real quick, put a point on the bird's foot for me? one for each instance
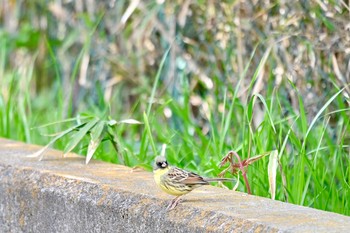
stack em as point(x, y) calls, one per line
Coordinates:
point(173, 203)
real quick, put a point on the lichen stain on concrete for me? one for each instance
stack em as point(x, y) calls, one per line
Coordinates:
point(22, 211)
point(34, 193)
point(207, 220)
point(102, 199)
point(104, 195)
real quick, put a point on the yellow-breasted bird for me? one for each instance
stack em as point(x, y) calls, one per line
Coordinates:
point(176, 181)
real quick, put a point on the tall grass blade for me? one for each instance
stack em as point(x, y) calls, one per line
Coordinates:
point(319, 114)
point(272, 172)
point(149, 133)
point(154, 88)
point(267, 111)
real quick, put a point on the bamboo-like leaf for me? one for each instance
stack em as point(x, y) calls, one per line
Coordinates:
point(112, 122)
point(40, 153)
point(130, 121)
point(96, 138)
point(77, 137)
point(272, 171)
point(115, 143)
point(60, 122)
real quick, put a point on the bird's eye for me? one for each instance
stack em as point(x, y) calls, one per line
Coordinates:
point(162, 164)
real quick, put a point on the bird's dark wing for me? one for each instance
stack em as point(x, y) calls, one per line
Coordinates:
point(178, 175)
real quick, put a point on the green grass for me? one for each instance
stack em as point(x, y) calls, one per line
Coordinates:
point(219, 99)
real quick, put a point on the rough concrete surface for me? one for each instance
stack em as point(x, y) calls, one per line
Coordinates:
point(65, 195)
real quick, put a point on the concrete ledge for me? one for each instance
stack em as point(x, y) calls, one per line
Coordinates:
point(64, 195)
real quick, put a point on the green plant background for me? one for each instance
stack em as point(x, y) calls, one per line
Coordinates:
point(248, 76)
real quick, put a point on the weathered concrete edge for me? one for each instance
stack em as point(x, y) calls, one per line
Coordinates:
point(63, 195)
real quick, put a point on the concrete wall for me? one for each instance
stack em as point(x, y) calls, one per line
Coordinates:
point(64, 195)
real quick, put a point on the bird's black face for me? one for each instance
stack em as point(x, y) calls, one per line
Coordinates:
point(163, 164)
point(160, 162)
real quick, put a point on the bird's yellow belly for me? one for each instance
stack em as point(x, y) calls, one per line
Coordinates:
point(173, 191)
point(170, 189)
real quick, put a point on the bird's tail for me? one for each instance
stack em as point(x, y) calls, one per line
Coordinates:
point(219, 179)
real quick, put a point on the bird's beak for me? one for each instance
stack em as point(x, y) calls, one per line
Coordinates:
point(164, 164)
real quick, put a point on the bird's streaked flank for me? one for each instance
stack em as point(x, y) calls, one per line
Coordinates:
point(176, 181)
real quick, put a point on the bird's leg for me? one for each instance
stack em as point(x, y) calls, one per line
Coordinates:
point(173, 203)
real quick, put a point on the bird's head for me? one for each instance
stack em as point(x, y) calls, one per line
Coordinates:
point(160, 163)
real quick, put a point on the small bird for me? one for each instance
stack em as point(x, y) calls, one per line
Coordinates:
point(176, 181)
